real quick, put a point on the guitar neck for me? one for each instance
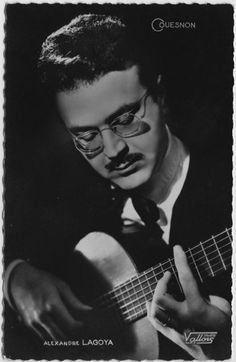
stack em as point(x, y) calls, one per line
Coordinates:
point(206, 259)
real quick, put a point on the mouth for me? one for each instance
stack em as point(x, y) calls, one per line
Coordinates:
point(128, 166)
point(124, 166)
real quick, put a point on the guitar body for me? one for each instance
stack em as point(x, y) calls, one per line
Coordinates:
point(104, 264)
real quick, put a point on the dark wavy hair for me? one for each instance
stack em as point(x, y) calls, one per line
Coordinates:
point(90, 46)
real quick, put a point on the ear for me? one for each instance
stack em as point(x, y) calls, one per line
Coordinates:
point(160, 94)
point(159, 79)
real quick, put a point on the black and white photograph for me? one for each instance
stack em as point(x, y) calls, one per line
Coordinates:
point(117, 186)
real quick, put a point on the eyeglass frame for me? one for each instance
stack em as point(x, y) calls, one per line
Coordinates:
point(99, 131)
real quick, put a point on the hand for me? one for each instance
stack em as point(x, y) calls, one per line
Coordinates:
point(167, 314)
point(46, 304)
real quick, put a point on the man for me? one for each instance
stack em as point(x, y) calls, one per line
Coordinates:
point(110, 98)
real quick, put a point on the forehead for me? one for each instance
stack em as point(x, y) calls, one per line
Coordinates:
point(89, 105)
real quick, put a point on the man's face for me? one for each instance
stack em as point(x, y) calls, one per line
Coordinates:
point(126, 162)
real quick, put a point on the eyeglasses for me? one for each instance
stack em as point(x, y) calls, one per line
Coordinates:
point(127, 125)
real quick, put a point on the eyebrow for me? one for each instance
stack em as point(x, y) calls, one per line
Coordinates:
point(121, 110)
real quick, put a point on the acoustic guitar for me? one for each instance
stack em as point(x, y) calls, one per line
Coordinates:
point(109, 281)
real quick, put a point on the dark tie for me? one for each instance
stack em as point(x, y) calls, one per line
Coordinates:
point(144, 243)
point(148, 212)
point(146, 209)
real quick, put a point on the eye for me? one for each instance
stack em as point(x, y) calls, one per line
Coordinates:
point(86, 136)
point(124, 119)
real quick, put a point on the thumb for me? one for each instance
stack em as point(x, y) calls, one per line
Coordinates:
point(221, 303)
point(148, 308)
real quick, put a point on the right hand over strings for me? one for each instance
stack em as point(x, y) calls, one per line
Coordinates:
point(46, 304)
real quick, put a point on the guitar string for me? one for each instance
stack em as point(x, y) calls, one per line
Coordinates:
point(169, 260)
point(113, 293)
point(146, 297)
point(136, 313)
point(131, 316)
point(140, 306)
point(154, 277)
point(152, 287)
point(149, 285)
point(152, 284)
point(155, 284)
point(104, 299)
point(121, 318)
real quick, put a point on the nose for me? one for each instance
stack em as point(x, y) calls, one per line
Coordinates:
point(113, 144)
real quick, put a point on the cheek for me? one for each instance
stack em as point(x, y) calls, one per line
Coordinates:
point(150, 143)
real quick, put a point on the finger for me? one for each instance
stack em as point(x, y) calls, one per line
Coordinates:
point(160, 290)
point(54, 332)
point(74, 305)
point(63, 318)
point(186, 277)
point(39, 332)
point(161, 321)
point(221, 303)
point(152, 318)
point(47, 329)
point(169, 303)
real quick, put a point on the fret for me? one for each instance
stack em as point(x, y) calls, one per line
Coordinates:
point(157, 271)
point(212, 255)
point(196, 267)
point(131, 309)
point(229, 235)
point(139, 292)
point(132, 298)
point(133, 316)
point(175, 274)
point(138, 288)
point(149, 287)
point(163, 271)
point(223, 241)
point(152, 278)
point(119, 297)
point(226, 254)
point(207, 259)
point(145, 286)
point(128, 299)
point(222, 260)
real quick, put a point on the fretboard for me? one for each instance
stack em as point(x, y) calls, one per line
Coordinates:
point(206, 259)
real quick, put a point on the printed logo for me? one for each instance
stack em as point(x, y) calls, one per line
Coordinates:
point(199, 337)
point(159, 24)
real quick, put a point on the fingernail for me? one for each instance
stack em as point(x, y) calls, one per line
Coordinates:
point(87, 308)
point(177, 249)
point(148, 306)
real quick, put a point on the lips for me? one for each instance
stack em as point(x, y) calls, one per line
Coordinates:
point(125, 163)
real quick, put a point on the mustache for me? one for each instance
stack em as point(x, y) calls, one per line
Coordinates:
point(129, 158)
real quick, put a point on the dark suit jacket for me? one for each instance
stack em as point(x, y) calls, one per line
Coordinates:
point(68, 200)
